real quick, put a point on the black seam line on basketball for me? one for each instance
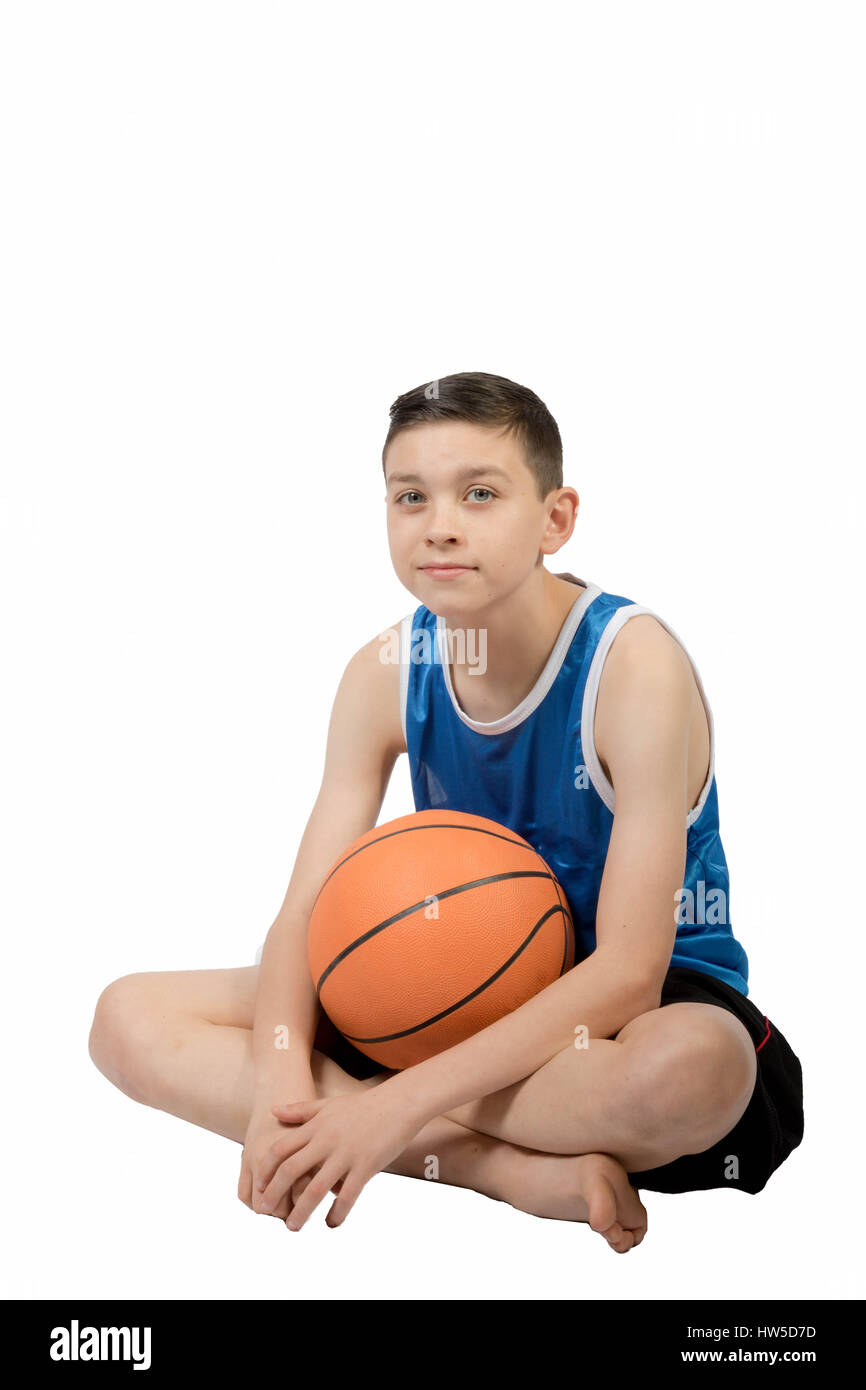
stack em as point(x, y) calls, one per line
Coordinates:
point(391, 1037)
point(566, 918)
point(444, 825)
point(407, 912)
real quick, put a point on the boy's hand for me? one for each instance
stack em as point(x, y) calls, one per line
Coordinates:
point(341, 1141)
point(263, 1130)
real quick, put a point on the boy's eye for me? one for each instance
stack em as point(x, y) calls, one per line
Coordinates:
point(403, 496)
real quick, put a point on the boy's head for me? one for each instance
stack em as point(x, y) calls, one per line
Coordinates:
point(479, 398)
point(473, 471)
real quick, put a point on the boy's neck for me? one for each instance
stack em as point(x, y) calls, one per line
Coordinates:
point(520, 635)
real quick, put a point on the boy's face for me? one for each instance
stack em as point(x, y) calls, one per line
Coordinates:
point(462, 495)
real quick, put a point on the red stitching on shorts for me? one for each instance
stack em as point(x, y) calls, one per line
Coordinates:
point(766, 1035)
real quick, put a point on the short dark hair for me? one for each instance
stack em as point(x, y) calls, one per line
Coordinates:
point(484, 399)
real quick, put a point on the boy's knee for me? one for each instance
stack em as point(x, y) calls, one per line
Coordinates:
point(698, 1080)
point(727, 1059)
point(122, 1034)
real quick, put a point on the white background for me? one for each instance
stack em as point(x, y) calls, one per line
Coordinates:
point(232, 235)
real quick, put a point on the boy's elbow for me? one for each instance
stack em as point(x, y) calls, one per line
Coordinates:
point(647, 993)
point(638, 991)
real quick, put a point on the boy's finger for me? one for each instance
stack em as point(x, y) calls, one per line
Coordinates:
point(287, 1175)
point(281, 1149)
point(349, 1192)
point(297, 1111)
point(328, 1175)
point(245, 1184)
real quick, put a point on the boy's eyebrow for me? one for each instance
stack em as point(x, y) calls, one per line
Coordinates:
point(472, 471)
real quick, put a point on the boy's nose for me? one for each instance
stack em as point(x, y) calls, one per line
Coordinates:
point(443, 528)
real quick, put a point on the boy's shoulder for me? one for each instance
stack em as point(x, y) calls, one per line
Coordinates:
point(644, 655)
point(645, 636)
point(374, 674)
point(647, 668)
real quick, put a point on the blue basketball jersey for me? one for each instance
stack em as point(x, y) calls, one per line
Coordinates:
point(536, 771)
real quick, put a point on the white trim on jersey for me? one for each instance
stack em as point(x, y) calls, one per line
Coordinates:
point(405, 638)
point(545, 680)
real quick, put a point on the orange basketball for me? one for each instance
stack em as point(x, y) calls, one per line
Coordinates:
point(430, 928)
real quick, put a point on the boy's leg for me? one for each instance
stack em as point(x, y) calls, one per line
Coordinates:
point(178, 1041)
point(182, 1042)
point(589, 1187)
point(674, 1080)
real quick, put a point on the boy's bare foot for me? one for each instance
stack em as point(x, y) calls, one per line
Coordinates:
point(568, 1187)
point(580, 1187)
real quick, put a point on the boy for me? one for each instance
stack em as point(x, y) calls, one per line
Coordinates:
point(587, 732)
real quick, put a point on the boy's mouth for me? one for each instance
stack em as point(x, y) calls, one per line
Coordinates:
point(446, 571)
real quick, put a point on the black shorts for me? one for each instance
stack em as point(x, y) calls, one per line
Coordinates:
point(330, 1040)
point(772, 1123)
point(769, 1128)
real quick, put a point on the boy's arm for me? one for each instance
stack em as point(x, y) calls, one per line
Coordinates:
point(646, 718)
point(364, 741)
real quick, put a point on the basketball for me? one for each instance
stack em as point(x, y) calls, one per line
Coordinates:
point(431, 927)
